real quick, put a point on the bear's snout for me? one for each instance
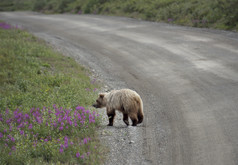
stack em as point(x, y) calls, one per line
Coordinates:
point(95, 105)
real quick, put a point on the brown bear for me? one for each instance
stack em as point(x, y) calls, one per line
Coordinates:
point(126, 101)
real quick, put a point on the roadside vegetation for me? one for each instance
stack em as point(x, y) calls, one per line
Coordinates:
point(221, 14)
point(45, 100)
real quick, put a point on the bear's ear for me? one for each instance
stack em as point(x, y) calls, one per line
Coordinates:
point(101, 95)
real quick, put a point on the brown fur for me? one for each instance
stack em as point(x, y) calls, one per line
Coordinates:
point(126, 101)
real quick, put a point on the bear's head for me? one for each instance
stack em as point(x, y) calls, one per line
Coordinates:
point(101, 101)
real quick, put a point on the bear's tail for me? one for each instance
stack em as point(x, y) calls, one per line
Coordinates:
point(140, 113)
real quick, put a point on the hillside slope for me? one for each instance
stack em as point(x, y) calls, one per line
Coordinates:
point(221, 14)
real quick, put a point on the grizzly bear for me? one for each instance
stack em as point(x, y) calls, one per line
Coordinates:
point(126, 101)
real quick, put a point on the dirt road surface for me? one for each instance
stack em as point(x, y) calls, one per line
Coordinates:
point(187, 78)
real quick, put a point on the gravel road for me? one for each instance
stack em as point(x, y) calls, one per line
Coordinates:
point(187, 78)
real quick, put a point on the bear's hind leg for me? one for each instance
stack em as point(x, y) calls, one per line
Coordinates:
point(125, 119)
point(134, 119)
point(111, 116)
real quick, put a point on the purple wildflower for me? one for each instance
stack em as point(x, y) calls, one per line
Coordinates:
point(66, 145)
point(170, 20)
point(77, 154)
point(85, 141)
point(69, 120)
point(8, 121)
point(82, 122)
point(61, 150)
point(38, 119)
point(21, 125)
point(65, 117)
point(27, 116)
point(5, 26)
point(66, 139)
point(30, 126)
point(21, 132)
point(79, 117)
point(68, 111)
point(80, 108)
point(57, 113)
point(91, 118)
point(35, 143)
point(93, 81)
point(55, 124)
point(13, 148)
point(12, 139)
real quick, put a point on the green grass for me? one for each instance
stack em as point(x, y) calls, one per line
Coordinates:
point(32, 75)
point(44, 97)
point(220, 14)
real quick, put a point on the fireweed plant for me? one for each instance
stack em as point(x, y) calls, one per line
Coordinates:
point(4, 25)
point(59, 131)
point(49, 134)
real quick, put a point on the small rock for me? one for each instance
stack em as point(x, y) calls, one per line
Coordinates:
point(131, 142)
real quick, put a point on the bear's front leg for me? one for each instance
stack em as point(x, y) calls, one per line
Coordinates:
point(125, 119)
point(111, 115)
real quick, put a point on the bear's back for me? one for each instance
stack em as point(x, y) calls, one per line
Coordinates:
point(124, 98)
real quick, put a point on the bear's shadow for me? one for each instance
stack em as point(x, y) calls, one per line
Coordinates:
point(123, 127)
